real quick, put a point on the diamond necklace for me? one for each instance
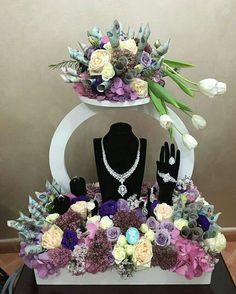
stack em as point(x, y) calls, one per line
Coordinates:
point(122, 190)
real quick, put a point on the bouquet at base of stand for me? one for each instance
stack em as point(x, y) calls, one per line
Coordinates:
point(91, 236)
point(121, 66)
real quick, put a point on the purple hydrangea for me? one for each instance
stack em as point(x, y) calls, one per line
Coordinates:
point(69, 239)
point(108, 208)
point(119, 91)
point(145, 59)
point(113, 233)
point(162, 237)
point(152, 223)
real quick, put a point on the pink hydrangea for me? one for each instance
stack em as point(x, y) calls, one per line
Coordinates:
point(192, 259)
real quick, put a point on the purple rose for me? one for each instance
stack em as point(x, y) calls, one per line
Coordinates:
point(152, 223)
point(145, 59)
point(70, 239)
point(203, 222)
point(108, 208)
point(122, 205)
point(162, 238)
point(169, 226)
point(113, 233)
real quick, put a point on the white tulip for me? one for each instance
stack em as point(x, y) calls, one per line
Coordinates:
point(165, 121)
point(211, 87)
point(198, 121)
point(189, 141)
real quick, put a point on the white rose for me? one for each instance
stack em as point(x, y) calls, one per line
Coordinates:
point(108, 72)
point(163, 212)
point(165, 121)
point(106, 222)
point(140, 87)
point(130, 45)
point(51, 218)
point(144, 228)
point(90, 205)
point(180, 223)
point(189, 141)
point(150, 235)
point(97, 61)
point(198, 121)
point(129, 249)
point(93, 219)
point(121, 241)
point(81, 208)
point(217, 244)
point(211, 87)
point(119, 254)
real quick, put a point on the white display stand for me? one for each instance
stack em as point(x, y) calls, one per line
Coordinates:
point(68, 125)
point(84, 111)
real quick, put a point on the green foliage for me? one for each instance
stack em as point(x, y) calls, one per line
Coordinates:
point(178, 64)
point(66, 63)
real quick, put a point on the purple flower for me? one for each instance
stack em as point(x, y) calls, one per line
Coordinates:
point(162, 237)
point(203, 222)
point(152, 223)
point(169, 226)
point(70, 239)
point(80, 198)
point(123, 205)
point(140, 215)
point(108, 208)
point(113, 233)
point(43, 265)
point(145, 59)
point(154, 204)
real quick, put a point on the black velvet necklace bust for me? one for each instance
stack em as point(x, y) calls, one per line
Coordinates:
point(121, 147)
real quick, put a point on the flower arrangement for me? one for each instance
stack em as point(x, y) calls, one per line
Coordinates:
point(122, 66)
point(183, 238)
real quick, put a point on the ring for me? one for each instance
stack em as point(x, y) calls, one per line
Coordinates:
point(171, 160)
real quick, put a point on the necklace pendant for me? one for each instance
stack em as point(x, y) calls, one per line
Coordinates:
point(122, 190)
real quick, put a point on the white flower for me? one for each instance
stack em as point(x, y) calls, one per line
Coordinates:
point(108, 72)
point(211, 87)
point(217, 244)
point(81, 208)
point(198, 121)
point(139, 86)
point(150, 235)
point(106, 222)
point(93, 219)
point(163, 212)
point(144, 228)
point(180, 223)
point(51, 218)
point(119, 254)
point(121, 241)
point(97, 61)
point(130, 45)
point(165, 121)
point(90, 205)
point(129, 249)
point(189, 141)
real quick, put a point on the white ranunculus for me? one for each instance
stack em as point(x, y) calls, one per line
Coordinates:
point(189, 141)
point(198, 121)
point(211, 87)
point(165, 121)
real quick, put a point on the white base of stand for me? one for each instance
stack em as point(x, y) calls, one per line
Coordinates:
point(152, 276)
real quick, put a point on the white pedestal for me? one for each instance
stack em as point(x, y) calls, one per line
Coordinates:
point(152, 276)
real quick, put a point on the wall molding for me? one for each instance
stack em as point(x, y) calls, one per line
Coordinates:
point(11, 245)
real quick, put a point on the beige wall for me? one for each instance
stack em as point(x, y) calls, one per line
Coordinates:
point(34, 99)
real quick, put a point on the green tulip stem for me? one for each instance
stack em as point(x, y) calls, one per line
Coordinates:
point(178, 130)
point(183, 78)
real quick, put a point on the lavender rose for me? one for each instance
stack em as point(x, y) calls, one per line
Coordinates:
point(169, 226)
point(152, 223)
point(108, 208)
point(162, 238)
point(113, 233)
point(145, 59)
point(122, 205)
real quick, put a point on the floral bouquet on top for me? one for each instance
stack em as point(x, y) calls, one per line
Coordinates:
point(84, 237)
point(122, 66)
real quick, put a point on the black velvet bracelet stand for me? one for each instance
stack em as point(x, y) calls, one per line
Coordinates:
point(121, 147)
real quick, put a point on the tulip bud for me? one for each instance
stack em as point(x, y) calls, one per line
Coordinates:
point(211, 87)
point(165, 121)
point(157, 44)
point(189, 141)
point(198, 122)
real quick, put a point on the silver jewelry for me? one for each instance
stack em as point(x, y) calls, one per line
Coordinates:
point(167, 177)
point(171, 160)
point(122, 190)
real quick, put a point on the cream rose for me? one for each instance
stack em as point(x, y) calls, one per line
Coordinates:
point(180, 223)
point(108, 72)
point(81, 208)
point(129, 45)
point(119, 254)
point(139, 86)
point(51, 218)
point(106, 223)
point(217, 244)
point(52, 238)
point(121, 241)
point(93, 219)
point(163, 212)
point(149, 235)
point(143, 253)
point(98, 60)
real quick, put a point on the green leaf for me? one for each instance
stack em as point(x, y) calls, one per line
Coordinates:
point(178, 64)
point(183, 106)
point(70, 63)
point(179, 82)
point(157, 103)
point(162, 93)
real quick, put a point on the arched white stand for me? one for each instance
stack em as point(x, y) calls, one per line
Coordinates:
point(82, 112)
